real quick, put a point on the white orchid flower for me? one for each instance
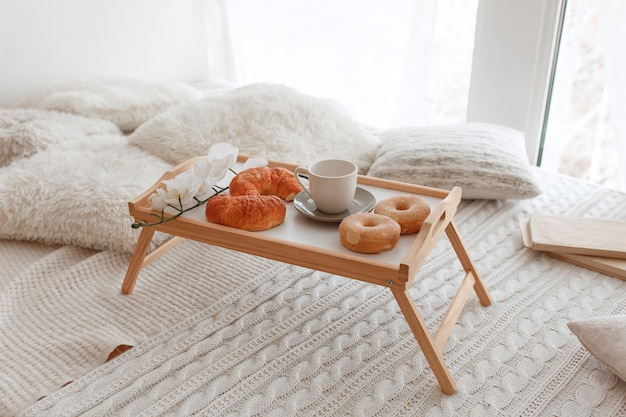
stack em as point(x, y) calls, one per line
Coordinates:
point(179, 192)
point(157, 200)
point(197, 183)
point(221, 157)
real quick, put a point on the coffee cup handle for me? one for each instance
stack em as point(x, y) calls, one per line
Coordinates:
point(297, 173)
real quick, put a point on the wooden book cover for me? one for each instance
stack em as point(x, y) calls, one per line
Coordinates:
point(609, 266)
point(578, 235)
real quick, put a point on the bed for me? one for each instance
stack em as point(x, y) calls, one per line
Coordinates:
point(243, 335)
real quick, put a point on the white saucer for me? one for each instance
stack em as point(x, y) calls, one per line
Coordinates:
point(364, 201)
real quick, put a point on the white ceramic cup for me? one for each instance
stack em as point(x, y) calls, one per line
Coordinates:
point(332, 184)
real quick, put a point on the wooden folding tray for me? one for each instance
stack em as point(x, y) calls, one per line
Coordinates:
point(316, 245)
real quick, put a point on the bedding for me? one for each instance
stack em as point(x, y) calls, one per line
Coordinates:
point(24, 132)
point(216, 332)
point(127, 102)
point(265, 120)
point(77, 193)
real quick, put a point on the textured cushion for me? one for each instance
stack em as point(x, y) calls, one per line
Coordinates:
point(487, 161)
point(265, 120)
point(23, 132)
point(77, 194)
point(605, 338)
point(126, 102)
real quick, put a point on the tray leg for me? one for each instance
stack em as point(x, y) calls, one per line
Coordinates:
point(468, 265)
point(136, 262)
point(425, 340)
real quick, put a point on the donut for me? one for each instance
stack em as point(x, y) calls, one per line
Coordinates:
point(369, 232)
point(255, 199)
point(410, 211)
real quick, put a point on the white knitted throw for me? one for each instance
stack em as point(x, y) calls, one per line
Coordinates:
point(259, 337)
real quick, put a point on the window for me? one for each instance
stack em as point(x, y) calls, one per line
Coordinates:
point(409, 62)
point(580, 140)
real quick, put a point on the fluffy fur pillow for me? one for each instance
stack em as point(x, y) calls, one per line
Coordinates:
point(266, 120)
point(24, 132)
point(77, 194)
point(124, 101)
point(604, 338)
point(487, 161)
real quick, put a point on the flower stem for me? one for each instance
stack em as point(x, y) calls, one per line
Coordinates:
point(181, 210)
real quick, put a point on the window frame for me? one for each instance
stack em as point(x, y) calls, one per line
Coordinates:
point(513, 65)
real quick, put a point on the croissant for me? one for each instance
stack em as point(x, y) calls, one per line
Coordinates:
point(247, 212)
point(256, 199)
point(266, 181)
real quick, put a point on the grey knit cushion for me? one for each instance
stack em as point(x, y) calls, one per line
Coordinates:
point(486, 161)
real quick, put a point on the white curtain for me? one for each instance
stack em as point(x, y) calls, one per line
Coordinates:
point(381, 60)
point(219, 45)
point(613, 21)
point(586, 135)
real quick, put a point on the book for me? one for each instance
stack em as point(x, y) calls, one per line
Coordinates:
point(610, 266)
point(578, 235)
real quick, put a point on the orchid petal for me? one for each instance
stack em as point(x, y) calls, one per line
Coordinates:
point(255, 163)
point(157, 200)
point(222, 156)
point(223, 149)
point(220, 167)
point(202, 169)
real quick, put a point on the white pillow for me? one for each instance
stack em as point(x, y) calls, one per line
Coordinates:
point(265, 120)
point(126, 102)
point(77, 193)
point(486, 161)
point(605, 338)
point(23, 132)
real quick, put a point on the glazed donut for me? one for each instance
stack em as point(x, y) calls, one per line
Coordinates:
point(369, 232)
point(410, 211)
point(255, 199)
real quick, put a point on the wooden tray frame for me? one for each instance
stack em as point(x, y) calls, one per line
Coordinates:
point(397, 278)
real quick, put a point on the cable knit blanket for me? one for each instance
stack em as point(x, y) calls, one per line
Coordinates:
point(219, 333)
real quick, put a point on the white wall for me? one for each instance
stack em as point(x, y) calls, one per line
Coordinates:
point(43, 41)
